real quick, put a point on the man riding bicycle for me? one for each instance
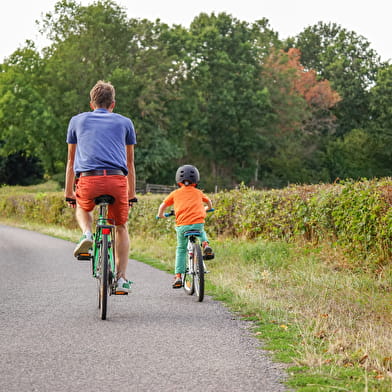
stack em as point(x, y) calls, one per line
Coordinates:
point(101, 161)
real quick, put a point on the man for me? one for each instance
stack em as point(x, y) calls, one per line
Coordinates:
point(101, 161)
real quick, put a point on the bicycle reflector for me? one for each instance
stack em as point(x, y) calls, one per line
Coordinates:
point(105, 231)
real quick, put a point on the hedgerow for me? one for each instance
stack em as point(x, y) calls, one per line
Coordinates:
point(354, 216)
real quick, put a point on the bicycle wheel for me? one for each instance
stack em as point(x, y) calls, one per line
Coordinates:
point(103, 287)
point(199, 272)
point(188, 279)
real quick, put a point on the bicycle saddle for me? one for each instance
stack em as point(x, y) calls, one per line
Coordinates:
point(104, 199)
point(188, 233)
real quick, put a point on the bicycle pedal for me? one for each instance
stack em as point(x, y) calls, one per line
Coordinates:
point(121, 293)
point(84, 256)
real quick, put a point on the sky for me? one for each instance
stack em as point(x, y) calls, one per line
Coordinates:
point(371, 19)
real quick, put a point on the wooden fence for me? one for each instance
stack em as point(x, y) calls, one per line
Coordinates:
point(154, 188)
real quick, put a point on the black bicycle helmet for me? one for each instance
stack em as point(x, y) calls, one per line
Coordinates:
point(187, 173)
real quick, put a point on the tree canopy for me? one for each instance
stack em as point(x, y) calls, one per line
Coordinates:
point(225, 95)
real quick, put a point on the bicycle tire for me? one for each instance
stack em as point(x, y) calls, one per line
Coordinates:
point(199, 272)
point(188, 281)
point(103, 288)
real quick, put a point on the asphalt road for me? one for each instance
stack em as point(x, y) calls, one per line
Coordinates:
point(155, 339)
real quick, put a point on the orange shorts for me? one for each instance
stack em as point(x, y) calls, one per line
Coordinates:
point(90, 187)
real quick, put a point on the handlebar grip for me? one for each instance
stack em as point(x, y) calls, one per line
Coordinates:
point(70, 200)
point(210, 210)
point(166, 214)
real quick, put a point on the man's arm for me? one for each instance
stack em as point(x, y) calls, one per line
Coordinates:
point(69, 173)
point(131, 172)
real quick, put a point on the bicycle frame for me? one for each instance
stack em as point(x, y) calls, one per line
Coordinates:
point(193, 238)
point(104, 232)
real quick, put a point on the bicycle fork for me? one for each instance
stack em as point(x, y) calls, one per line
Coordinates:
point(191, 269)
point(191, 256)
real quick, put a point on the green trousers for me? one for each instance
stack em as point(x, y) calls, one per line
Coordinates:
point(182, 242)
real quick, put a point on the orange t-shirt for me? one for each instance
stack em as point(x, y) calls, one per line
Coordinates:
point(188, 205)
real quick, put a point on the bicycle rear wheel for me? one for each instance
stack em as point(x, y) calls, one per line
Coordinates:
point(103, 286)
point(199, 272)
point(188, 279)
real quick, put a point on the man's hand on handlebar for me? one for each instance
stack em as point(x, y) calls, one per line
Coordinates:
point(71, 202)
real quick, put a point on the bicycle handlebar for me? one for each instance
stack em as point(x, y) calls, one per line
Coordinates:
point(171, 213)
point(72, 201)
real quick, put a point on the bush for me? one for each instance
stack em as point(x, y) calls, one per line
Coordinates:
point(20, 169)
point(356, 216)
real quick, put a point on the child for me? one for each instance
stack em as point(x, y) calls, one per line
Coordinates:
point(190, 214)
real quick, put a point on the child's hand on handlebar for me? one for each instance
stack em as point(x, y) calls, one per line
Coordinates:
point(165, 215)
point(131, 201)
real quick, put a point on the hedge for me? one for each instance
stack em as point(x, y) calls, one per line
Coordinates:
point(354, 216)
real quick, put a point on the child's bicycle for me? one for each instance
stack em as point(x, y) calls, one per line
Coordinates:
point(102, 255)
point(193, 278)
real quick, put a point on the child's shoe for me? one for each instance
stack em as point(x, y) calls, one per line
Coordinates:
point(177, 282)
point(208, 253)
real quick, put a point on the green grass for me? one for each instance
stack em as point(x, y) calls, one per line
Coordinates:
point(50, 186)
point(330, 324)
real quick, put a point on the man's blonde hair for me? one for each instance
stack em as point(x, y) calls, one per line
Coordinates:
point(102, 95)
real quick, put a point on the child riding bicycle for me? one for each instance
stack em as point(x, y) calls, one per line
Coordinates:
point(190, 212)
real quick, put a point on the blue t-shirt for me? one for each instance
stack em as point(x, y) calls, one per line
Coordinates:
point(101, 138)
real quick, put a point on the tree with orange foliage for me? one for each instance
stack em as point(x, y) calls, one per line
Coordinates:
point(301, 101)
point(302, 120)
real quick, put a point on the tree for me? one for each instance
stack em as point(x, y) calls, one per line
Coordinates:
point(26, 119)
point(99, 42)
point(347, 61)
point(153, 92)
point(302, 119)
point(88, 44)
point(223, 103)
point(353, 156)
point(380, 127)
point(381, 101)
point(20, 169)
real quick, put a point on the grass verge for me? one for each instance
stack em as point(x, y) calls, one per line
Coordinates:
point(329, 323)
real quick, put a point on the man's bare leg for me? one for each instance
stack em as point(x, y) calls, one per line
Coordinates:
point(84, 219)
point(122, 250)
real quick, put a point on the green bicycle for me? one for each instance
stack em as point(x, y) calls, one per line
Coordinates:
point(102, 255)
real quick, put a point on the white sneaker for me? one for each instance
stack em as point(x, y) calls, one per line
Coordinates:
point(85, 243)
point(123, 286)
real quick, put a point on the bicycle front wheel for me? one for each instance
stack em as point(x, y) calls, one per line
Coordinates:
point(103, 287)
point(199, 272)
